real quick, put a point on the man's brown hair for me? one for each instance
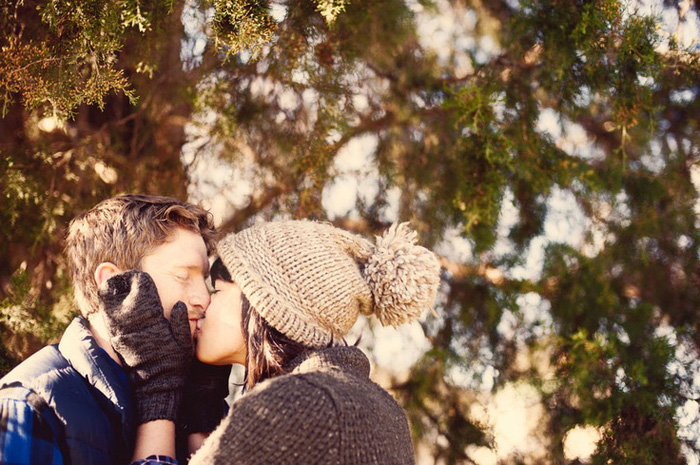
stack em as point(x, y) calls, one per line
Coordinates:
point(122, 230)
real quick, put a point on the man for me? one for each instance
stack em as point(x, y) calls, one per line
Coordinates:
point(72, 402)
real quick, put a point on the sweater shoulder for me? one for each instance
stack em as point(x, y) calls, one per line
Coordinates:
point(296, 394)
point(340, 387)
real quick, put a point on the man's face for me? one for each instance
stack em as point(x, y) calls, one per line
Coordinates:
point(179, 267)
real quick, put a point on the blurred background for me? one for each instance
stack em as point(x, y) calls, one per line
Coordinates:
point(546, 150)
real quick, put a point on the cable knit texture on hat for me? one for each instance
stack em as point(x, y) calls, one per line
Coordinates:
point(311, 280)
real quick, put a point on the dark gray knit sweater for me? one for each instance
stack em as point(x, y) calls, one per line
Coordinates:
point(325, 410)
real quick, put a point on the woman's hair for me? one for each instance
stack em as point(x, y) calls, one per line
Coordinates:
point(268, 351)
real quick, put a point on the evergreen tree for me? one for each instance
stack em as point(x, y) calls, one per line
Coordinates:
point(473, 126)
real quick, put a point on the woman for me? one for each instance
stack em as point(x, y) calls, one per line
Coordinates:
point(286, 295)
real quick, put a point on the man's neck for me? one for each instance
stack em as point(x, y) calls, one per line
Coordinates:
point(99, 332)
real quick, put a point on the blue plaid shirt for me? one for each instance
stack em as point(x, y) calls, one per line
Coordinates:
point(29, 432)
point(28, 429)
point(156, 460)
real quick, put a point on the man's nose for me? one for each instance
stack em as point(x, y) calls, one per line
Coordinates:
point(199, 299)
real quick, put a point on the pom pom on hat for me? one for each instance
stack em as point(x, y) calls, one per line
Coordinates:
point(403, 277)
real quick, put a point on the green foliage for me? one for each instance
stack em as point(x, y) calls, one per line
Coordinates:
point(520, 104)
point(26, 323)
point(63, 54)
point(330, 9)
point(248, 26)
point(243, 25)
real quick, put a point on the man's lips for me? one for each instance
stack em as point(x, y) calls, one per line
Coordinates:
point(195, 331)
point(194, 317)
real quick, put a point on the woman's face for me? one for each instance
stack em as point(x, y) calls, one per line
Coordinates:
point(220, 339)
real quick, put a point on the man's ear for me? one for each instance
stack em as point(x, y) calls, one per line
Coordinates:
point(104, 271)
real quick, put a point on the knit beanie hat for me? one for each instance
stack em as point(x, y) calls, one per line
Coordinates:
point(310, 280)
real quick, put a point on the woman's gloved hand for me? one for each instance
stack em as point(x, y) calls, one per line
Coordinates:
point(156, 353)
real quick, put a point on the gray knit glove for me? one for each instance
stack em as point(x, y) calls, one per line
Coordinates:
point(155, 353)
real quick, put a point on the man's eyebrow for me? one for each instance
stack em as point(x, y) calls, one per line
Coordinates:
point(204, 269)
